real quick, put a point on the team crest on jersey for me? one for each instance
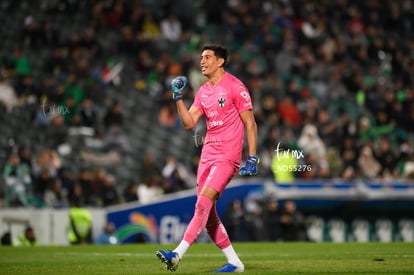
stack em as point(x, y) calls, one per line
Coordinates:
point(221, 102)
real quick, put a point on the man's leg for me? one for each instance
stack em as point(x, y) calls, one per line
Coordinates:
point(194, 228)
point(196, 225)
point(218, 234)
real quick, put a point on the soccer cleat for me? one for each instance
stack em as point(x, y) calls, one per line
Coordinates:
point(169, 258)
point(229, 268)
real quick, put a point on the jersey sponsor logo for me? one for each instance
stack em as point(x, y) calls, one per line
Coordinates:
point(215, 123)
point(221, 102)
point(244, 94)
point(212, 113)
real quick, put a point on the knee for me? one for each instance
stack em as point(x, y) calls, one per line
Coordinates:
point(203, 205)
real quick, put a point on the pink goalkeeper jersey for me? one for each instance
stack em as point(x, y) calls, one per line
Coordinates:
point(221, 106)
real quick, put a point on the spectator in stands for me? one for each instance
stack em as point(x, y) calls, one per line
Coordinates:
point(369, 167)
point(27, 90)
point(314, 150)
point(326, 127)
point(18, 181)
point(289, 113)
point(108, 192)
point(43, 181)
point(408, 167)
point(115, 14)
point(57, 131)
point(88, 113)
point(46, 160)
point(349, 154)
point(149, 167)
point(271, 217)
point(145, 63)
point(48, 91)
point(174, 183)
point(72, 43)
point(150, 26)
point(130, 193)
point(73, 90)
point(8, 95)
point(267, 112)
point(335, 163)
point(149, 189)
point(85, 181)
point(168, 116)
point(171, 28)
point(177, 174)
point(387, 159)
point(55, 196)
point(114, 116)
point(49, 34)
point(369, 132)
point(56, 64)
point(30, 32)
point(25, 156)
point(255, 228)
point(67, 178)
point(98, 178)
point(292, 223)
point(70, 111)
point(90, 43)
point(75, 194)
point(127, 43)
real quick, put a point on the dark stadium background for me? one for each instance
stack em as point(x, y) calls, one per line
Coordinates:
point(344, 67)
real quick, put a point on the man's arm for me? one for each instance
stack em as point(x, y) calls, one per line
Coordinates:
point(189, 117)
point(250, 166)
point(251, 130)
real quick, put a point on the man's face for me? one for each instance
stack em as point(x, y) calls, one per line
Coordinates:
point(210, 63)
point(30, 235)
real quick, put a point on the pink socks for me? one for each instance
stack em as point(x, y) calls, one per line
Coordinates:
point(205, 216)
point(216, 230)
point(199, 220)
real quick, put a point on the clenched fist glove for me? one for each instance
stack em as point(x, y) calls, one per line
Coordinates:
point(250, 166)
point(177, 87)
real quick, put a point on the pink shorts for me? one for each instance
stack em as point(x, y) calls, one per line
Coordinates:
point(215, 174)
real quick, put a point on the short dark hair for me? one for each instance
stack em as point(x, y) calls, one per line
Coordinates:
point(219, 51)
point(28, 229)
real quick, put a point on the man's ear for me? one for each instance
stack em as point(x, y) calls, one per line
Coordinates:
point(222, 62)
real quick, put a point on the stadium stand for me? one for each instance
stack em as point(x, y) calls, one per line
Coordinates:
point(352, 59)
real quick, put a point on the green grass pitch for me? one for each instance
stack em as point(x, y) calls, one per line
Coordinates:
point(259, 258)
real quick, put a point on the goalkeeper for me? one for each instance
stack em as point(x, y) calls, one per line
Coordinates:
point(226, 104)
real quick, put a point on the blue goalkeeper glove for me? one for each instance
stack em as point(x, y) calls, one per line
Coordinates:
point(250, 166)
point(177, 87)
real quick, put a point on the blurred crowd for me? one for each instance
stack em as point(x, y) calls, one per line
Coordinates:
point(43, 181)
point(332, 84)
point(265, 219)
